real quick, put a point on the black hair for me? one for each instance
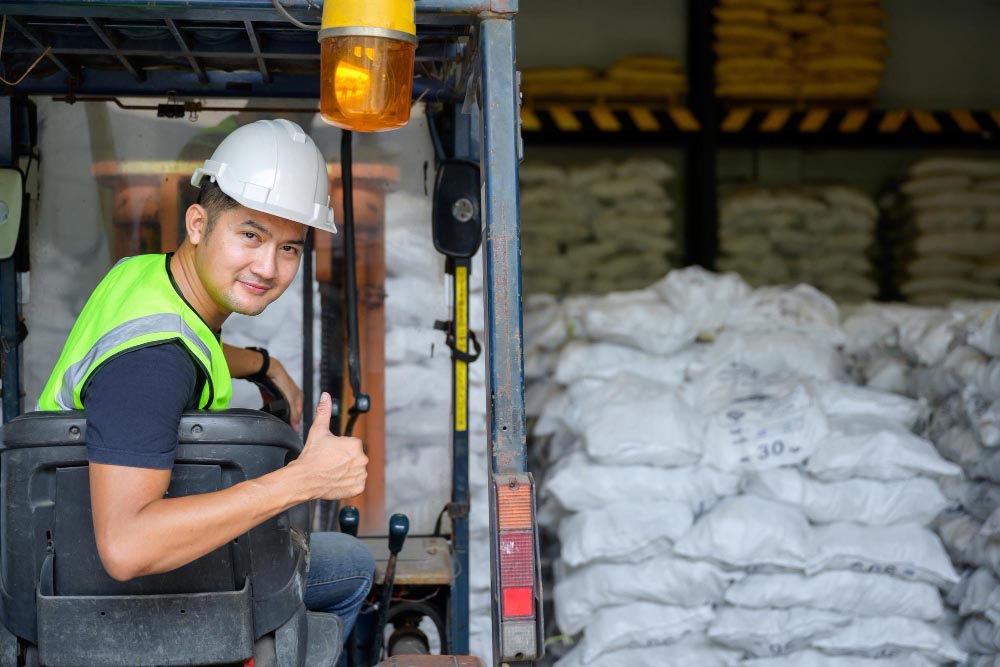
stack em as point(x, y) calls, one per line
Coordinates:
point(214, 200)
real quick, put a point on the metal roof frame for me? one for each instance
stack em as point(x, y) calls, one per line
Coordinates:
point(202, 48)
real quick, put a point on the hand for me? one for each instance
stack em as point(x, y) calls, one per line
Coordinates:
point(277, 373)
point(332, 467)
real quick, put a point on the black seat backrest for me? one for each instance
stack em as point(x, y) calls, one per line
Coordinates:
point(48, 555)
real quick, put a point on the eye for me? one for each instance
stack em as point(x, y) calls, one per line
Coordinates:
point(290, 248)
point(249, 235)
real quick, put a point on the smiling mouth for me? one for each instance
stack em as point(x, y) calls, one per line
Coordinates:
point(254, 287)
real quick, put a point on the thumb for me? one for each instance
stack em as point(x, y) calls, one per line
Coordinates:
point(324, 412)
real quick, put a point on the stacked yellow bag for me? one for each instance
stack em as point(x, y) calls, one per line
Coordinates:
point(799, 50)
point(630, 78)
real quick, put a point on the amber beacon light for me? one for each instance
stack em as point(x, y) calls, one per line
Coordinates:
point(366, 66)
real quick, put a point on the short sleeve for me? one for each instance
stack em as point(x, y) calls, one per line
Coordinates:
point(133, 405)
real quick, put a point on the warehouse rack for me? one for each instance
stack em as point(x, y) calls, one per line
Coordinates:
point(707, 125)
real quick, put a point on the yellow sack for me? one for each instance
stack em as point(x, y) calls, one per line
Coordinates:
point(761, 90)
point(772, 5)
point(844, 62)
point(799, 23)
point(858, 15)
point(741, 48)
point(735, 65)
point(725, 31)
point(816, 91)
point(741, 14)
point(862, 48)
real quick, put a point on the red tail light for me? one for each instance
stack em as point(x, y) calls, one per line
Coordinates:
point(517, 564)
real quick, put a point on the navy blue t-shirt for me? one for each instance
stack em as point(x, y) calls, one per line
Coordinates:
point(134, 402)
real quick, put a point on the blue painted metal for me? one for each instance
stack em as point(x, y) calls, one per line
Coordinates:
point(10, 353)
point(179, 83)
point(428, 11)
point(502, 246)
point(499, 105)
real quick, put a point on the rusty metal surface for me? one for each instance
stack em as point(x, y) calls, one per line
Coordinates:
point(423, 561)
point(502, 245)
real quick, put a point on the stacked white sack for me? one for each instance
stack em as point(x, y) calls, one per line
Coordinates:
point(822, 236)
point(950, 358)
point(735, 499)
point(944, 231)
point(418, 395)
point(595, 228)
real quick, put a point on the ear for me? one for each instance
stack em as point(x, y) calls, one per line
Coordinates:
point(196, 223)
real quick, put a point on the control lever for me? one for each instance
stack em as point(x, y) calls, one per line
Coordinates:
point(399, 526)
point(349, 519)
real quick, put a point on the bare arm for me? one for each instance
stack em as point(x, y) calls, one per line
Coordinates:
point(140, 532)
point(244, 363)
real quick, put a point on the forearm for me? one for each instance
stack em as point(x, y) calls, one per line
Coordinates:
point(170, 532)
point(242, 362)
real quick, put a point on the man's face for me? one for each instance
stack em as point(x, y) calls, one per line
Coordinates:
point(248, 259)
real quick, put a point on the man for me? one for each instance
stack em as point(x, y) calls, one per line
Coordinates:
point(147, 347)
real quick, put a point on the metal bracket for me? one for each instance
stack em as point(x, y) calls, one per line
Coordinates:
point(7, 345)
point(457, 510)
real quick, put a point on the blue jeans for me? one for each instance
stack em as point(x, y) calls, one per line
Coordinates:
point(340, 575)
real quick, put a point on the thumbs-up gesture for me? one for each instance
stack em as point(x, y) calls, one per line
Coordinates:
point(332, 467)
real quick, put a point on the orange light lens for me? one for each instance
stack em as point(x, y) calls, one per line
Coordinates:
point(514, 506)
point(366, 82)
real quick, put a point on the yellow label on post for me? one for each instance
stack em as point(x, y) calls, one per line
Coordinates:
point(462, 344)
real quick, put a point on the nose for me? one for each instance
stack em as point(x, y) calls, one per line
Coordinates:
point(265, 263)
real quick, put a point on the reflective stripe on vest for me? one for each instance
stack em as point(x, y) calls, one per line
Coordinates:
point(123, 333)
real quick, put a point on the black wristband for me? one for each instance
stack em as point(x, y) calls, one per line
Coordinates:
point(264, 367)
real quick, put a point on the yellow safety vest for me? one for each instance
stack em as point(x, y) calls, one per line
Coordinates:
point(138, 304)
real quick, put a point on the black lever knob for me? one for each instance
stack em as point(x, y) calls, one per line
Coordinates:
point(350, 518)
point(399, 526)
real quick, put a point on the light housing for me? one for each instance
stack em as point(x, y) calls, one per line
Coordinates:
point(517, 572)
point(367, 49)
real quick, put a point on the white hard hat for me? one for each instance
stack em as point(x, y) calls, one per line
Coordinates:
point(275, 167)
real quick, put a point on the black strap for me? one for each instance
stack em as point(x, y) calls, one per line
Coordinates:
point(447, 327)
point(264, 367)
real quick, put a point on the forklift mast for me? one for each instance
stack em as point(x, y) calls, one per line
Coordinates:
point(479, 33)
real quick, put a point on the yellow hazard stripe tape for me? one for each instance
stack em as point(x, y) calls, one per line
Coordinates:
point(965, 121)
point(853, 121)
point(605, 119)
point(775, 120)
point(530, 121)
point(565, 120)
point(814, 120)
point(685, 120)
point(736, 120)
point(892, 121)
point(927, 122)
point(644, 119)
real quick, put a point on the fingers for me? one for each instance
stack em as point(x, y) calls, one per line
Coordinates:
point(324, 412)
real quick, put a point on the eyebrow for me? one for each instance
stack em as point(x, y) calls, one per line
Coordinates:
point(267, 232)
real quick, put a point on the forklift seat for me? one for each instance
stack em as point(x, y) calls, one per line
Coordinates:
point(243, 600)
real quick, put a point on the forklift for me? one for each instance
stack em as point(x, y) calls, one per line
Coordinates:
point(57, 606)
